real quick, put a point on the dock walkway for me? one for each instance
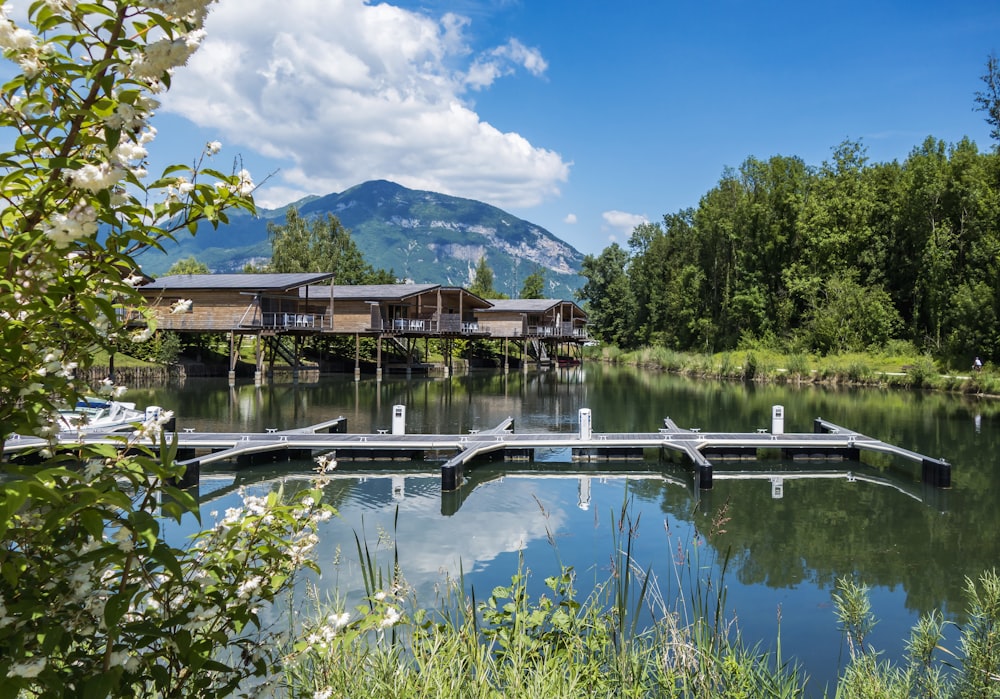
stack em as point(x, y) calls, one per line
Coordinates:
point(827, 440)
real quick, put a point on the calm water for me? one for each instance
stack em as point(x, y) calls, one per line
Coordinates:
point(786, 547)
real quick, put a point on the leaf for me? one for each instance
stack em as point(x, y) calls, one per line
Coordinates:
point(115, 608)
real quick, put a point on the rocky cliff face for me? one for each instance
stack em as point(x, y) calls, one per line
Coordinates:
point(421, 236)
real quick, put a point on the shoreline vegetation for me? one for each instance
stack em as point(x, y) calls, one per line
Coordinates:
point(556, 644)
point(870, 370)
point(886, 369)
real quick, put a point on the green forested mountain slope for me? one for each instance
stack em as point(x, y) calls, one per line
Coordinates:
point(421, 236)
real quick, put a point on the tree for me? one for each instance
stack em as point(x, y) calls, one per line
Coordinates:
point(849, 317)
point(534, 286)
point(93, 600)
point(988, 99)
point(482, 281)
point(189, 265)
point(607, 297)
point(320, 245)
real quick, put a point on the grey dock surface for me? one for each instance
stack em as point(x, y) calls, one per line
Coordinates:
point(196, 449)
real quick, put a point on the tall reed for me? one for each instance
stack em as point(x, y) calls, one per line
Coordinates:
point(513, 645)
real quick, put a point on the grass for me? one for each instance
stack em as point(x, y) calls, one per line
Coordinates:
point(121, 360)
point(511, 644)
point(894, 367)
point(558, 645)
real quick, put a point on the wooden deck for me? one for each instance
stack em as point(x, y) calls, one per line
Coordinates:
point(827, 441)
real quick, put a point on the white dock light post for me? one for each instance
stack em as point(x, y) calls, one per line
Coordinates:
point(399, 419)
point(777, 419)
point(586, 428)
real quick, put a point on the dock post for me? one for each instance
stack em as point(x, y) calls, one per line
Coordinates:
point(704, 476)
point(451, 477)
point(190, 477)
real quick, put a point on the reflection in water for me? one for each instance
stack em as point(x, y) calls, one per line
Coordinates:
point(787, 541)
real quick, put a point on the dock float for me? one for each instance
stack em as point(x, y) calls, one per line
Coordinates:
point(826, 441)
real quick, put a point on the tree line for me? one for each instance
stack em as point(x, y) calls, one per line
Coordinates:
point(848, 256)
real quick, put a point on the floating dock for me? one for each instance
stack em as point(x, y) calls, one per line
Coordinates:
point(459, 451)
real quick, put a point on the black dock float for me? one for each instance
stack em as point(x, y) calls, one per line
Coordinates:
point(936, 472)
point(370, 454)
point(451, 476)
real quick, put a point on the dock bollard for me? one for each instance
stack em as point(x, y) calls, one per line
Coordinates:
point(586, 426)
point(399, 419)
point(777, 419)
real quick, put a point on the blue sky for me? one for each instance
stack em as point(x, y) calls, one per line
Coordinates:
point(582, 117)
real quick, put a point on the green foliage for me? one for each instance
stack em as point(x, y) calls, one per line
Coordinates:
point(189, 265)
point(988, 99)
point(320, 245)
point(922, 372)
point(515, 645)
point(844, 257)
point(164, 347)
point(534, 286)
point(93, 600)
point(924, 675)
point(482, 281)
point(608, 298)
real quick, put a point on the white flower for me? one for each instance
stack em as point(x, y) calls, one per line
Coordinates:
point(213, 147)
point(118, 657)
point(13, 38)
point(249, 586)
point(391, 618)
point(27, 669)
point(325, 693)
point(93, 470)
point(339, 621)
point(181, 306)
point(95, 178)
point(326, 463)
point(161, 56)
point(128, 151)
point(123, 537)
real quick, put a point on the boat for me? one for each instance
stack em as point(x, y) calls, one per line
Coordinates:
point(103, 414)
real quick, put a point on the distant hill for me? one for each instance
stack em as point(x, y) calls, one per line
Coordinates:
point(424, 237)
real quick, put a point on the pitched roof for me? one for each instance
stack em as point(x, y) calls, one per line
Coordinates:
point(368, 292)
point(244, 282)
point(528, 306)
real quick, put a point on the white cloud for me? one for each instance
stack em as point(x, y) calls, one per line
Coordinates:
point(340, 92)
point(623, 221)
point(503, 60)
point(570, 218)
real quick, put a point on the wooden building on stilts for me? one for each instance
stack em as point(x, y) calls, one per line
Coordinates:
point(278, 311)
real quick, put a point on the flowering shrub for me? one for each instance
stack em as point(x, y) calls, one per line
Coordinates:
point(93, 600)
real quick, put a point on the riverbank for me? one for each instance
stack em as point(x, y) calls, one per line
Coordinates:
point(767, 366)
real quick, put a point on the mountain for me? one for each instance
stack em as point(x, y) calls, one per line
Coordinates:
point(423, 237)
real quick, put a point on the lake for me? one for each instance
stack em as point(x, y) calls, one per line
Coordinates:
point(787, 541)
